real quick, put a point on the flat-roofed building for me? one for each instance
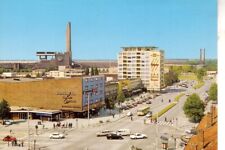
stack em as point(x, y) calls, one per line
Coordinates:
point(68, 95)
point(146, 63)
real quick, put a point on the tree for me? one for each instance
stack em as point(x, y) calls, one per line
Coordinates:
point(213, 92)
point(200, 73)
point(170, 78)
point(120, 95)
point(92, 71)
point(1, 70)
point(96, 71)
point(4, 109)
point(87, 71)
point(38, 75)
point(187, 68)
point(194, 108)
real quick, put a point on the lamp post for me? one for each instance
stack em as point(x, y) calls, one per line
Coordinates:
point(91, 91)
point(28, 126)
point(157, 131)
point(88, 109)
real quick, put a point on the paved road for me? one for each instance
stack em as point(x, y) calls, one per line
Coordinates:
point(85, 138)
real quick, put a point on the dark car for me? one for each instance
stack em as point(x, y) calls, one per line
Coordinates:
point(148, 102)
point(114, 136)
point(9, 138)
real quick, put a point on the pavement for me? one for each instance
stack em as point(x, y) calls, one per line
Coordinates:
point(82, 135)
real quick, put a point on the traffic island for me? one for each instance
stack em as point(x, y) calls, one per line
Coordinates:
point(168, 107)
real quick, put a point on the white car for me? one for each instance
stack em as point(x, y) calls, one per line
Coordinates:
point(103, 133)
point(123, 132)
point(56, 136)
point(8, 122)
point(138, 136)
point(149, 114)
point(129, 114)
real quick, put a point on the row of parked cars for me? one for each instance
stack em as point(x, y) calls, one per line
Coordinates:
point(133, 102)
point(120, 133)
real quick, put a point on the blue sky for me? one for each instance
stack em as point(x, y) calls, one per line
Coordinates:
point(101, 27)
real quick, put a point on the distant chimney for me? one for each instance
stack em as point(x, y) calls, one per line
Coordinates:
point(68, 37)
point(204, 57)
point(200, 59)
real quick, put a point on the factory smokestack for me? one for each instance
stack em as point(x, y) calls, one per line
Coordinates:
point(204, 56)
point(68, 37)
point(200, 56)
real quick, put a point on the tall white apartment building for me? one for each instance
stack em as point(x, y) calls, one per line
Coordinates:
point(146, 63)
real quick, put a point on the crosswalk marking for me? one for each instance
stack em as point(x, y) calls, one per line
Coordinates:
point(163, 123)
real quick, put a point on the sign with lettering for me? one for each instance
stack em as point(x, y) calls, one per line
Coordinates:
point(67, 97)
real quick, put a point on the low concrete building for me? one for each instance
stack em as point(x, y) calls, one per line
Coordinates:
point(9, 74)
point(66, 95)
point(66, 73)
point(34, 113)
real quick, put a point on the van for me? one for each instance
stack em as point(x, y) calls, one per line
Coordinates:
point(124, 132)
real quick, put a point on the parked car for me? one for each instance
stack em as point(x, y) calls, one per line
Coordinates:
point(191, 131)
point(148, 102)
point(138, 136)
point(7, 122)
point(56, 135)
point(129, 114)
point(9, 138)
point(104, 133)
point(187, 94)
point(113, 136)
point(149, 114)
point(123, 132)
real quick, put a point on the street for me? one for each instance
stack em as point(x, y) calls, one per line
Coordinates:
point(83, 137)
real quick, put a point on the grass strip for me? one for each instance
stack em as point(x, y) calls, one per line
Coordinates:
point(177, 98)
point(199, 85)
point(168, 107)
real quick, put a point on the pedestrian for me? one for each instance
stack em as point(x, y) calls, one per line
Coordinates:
point(165, 119)
point(131, 118)
point(54, 125)
point(113, 115)
point(22, 143)
point(71, 125)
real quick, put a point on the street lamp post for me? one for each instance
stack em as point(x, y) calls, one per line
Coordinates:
point(157, 131)
point(88, 109)
point(28, 125)
point(89, 92)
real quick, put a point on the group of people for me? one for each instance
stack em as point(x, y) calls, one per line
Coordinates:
point(64, 125)
point(14, 143)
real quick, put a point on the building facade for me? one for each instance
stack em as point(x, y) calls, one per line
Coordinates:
point(111, 90)
point(66, 95)
point(146, 63)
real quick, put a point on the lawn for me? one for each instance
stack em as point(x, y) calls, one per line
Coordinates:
point(188, 77)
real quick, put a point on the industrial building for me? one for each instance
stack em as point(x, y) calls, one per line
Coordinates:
point(67, 95)
point(146, 63)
